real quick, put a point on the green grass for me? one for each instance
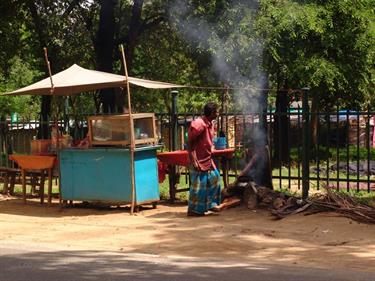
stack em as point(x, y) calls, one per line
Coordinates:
point(18, 188)
point(295, 188)
point(181, 196)
point(352, 152)
point(362, 195)
point(293, 171)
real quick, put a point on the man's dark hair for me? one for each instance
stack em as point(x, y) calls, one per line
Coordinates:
point(209, 108)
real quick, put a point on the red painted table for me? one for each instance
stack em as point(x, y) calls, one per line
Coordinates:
point(181, 158)
point(32, 163)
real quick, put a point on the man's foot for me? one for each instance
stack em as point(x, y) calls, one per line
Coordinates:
point(215, 209)
point(194, 214)
point(210, 213)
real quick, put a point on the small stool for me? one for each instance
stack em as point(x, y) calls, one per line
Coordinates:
point(42, 173)
point(31, 163)
point(9, 178)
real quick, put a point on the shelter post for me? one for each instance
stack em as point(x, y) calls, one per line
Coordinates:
point(173, 131)
point(49, 69)
point(224, 110)
point(132, 144)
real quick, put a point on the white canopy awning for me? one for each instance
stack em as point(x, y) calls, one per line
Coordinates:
point(77, 79)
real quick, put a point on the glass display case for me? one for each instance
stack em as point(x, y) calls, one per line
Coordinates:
point(115, 129)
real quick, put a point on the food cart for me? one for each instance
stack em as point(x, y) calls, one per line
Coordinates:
point(120, 164)
point(102, 171)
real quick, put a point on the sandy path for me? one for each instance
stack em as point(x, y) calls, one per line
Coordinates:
point(322, 240)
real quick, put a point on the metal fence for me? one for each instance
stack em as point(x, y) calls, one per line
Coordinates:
point(337, 152)
point(338, 146)
point(340, 150)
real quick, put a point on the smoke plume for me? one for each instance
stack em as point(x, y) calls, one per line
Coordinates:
point(235, 52)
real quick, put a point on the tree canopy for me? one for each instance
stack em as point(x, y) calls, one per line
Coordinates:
point(246, 45)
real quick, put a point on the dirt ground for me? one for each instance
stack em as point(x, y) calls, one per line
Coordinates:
point(321, 240)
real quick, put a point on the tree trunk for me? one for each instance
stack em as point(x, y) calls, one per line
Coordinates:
point(43, 132)
point(280, 131)
point(131, 42)
point(258, 165)
point(45, 112)
point(314, 120)
point(266, 176)
point(105, 44)
point(134, 32)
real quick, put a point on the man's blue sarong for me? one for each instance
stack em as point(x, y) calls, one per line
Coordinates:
point(205, 192)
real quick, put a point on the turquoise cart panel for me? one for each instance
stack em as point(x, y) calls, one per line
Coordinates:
point(146, 175)
point(103, 174)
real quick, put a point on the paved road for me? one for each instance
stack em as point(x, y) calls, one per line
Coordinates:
point(17, 264)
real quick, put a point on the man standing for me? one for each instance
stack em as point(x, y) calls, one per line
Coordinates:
point(205, 193)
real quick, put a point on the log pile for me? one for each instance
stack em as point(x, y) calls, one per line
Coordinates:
point(282, 205)
point(343, 204)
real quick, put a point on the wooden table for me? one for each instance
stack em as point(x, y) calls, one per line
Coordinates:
point(30, 163)
point(181, 158)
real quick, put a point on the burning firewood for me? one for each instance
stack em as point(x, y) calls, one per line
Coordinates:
point(252, 194)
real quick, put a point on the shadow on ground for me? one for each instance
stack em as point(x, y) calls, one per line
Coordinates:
point(322, 240)
point(106, 266)
point(14, 206)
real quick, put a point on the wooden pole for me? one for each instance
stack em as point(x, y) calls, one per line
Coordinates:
point(55, 117)
point(49, 69)
point(222, 111)
point(132, 144)
point(57, 137)
point(226, 95)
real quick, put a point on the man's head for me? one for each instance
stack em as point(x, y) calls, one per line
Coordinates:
point(210, 111)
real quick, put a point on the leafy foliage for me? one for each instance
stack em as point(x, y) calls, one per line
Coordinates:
point(25, 106)
point(326, 45)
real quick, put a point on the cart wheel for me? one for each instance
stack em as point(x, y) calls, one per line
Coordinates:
point(154, 205)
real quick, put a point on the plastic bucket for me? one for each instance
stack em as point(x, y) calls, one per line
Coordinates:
point(220, 143)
